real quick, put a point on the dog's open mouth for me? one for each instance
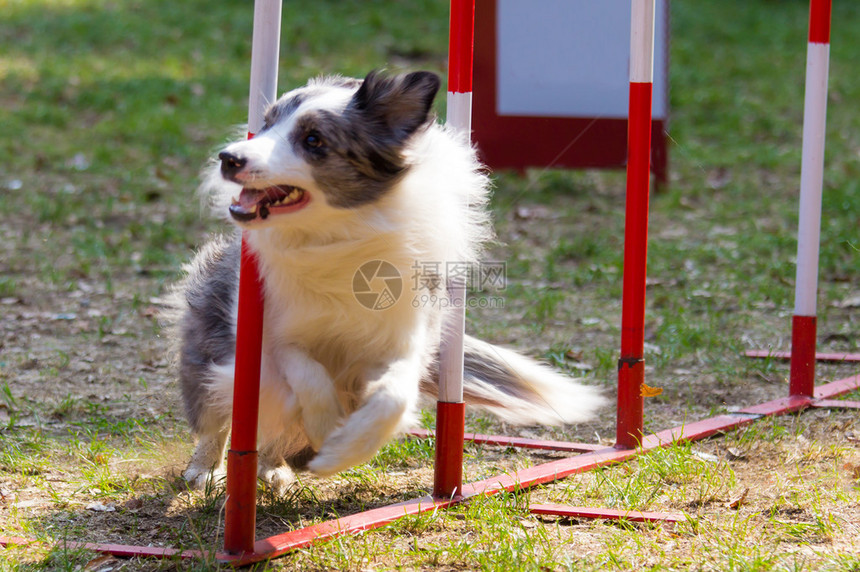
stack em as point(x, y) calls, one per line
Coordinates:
point(260, 203)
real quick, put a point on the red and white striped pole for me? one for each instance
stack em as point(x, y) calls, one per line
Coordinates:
point(631, 365)
point(240, 509)
point(450, 408)
point(803, 325)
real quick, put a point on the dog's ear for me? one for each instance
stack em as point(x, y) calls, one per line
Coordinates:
point(402, 102)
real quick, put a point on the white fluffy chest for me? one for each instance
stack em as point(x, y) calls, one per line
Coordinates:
point(321, 312)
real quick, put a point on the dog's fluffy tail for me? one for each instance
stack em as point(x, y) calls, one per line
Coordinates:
point(518, 390)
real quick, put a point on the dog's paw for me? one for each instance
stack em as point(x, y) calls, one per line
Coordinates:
point(200, 478)
point(276, 479)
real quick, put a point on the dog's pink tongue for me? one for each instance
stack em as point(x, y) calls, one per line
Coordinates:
point(249, 198)
point(244, 208)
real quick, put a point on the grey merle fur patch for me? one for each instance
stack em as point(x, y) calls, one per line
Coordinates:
point(206, 326)
point(358, 153)
point(486, 377)
point(290, 102)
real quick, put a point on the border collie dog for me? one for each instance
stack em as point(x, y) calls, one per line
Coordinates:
point(350, 186)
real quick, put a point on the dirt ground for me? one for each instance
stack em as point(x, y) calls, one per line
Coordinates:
point(70, 356)
point(85, 358)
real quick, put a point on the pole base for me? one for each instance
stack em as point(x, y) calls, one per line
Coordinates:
point(240, 507)
point(448, 470)
point(802, 372)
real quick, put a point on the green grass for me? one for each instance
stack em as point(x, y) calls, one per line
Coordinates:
point(110, 109)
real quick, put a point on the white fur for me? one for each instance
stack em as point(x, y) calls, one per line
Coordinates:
point(323, 352)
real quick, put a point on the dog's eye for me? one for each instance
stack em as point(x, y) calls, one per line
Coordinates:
point(313, 140)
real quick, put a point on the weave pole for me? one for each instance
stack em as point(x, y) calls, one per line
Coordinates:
point(631, 365)
point(450, 408)
point(803, 324)
point(240, 509)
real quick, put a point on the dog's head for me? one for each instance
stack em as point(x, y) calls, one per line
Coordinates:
point(336, 143)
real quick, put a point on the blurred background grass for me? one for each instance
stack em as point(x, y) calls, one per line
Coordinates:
point(111, 108)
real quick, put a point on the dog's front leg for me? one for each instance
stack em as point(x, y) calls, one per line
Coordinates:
point(207, 399)
point(207, 462)
point(390, 400)
point(315, 392)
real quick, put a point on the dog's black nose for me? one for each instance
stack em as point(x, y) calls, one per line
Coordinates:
point(230, 163)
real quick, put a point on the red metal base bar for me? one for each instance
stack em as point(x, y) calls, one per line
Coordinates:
point(835, 404)
point(376, 518)
point(118, 550)
point(521, 442)
point(780, 406)
point(281, 544)
point(604, 513)
point(698, 430)
point(533, 476)
point(838, 387)
point(819, 356)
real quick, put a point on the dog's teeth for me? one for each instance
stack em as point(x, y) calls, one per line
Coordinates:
point(253, 209)
point(294, 194)
point(235, 202)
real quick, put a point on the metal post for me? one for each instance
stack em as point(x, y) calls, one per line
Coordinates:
point(450, 409)
point(631, 366)
point(240, 511)
point(803, 325)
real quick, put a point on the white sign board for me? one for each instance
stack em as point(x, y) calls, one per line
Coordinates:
point(570, 58)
